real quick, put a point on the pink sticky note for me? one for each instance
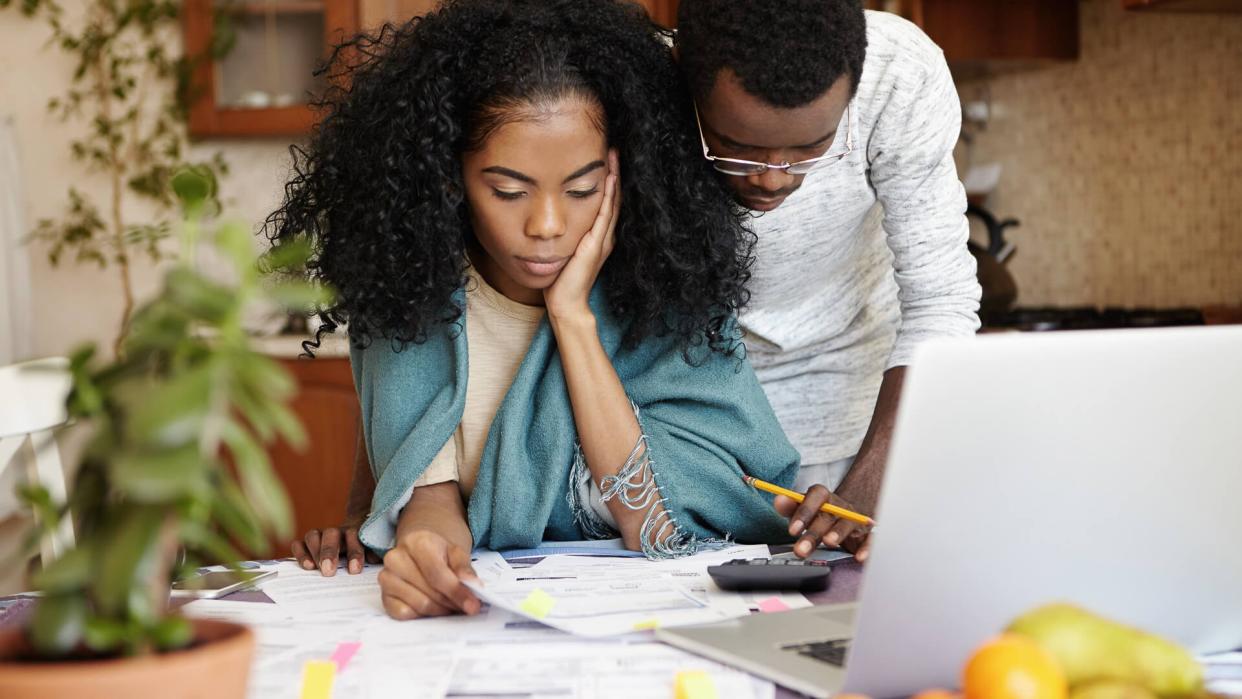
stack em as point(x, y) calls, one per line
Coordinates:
point(772, 604)
point(344, 653)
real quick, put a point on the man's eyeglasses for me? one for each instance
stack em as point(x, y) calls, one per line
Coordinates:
point(746, 168)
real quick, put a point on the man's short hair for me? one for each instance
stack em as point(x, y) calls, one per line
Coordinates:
point(786, 52)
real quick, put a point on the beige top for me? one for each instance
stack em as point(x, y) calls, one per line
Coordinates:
point(499, 331)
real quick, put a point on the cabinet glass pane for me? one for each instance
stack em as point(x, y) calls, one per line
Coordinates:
point(278, 47)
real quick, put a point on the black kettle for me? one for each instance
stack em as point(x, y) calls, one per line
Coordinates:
point(999, 289)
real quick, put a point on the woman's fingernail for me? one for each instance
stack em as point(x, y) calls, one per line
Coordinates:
point(308, 565)
point(796, 527)
point(832, 539)
point(325, 566)
point(355, 566)
point(804, 547)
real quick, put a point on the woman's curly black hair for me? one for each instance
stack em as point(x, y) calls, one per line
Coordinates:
point(379, 190)
point(787, 52)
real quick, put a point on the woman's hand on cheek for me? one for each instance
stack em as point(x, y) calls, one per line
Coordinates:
point(568, 295)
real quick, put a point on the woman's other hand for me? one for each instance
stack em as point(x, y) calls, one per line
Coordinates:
point(568, 295)
point(423, 576)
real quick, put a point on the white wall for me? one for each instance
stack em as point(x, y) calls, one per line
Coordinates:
point(76, 303)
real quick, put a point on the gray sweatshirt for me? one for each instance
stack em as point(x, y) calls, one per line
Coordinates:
point(869, 257)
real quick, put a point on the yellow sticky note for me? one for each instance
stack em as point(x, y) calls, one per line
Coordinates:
point(317, 679)
point(694, 684)
point(538, 604)
point(646, 624)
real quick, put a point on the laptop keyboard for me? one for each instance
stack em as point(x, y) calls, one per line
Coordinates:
point(831, 652)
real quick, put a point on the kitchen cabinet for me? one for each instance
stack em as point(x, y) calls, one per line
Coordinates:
point(983, 37)
point(663, 12)
point(1222, 315)
point(262, 85)
point(317, 478)
point(979, 37)
point(1184, 5)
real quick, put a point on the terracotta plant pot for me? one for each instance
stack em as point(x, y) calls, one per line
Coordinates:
point(217, 666)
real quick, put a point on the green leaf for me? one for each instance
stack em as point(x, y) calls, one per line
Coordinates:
point(172, 632)
point(288, 255)
point(127, 560)
point(235, 515)
point(86, 399)
point(105, 635)
point(197, 296)
point(217, 548)
point(68, 574)
point(288, 426)
point(171, 414)
point(265, 491)
point(194, 187)
point(39, 500)
point(161, 476)
point(58, 624)
point(265, 375)
point(300, 296)
point(235, 242)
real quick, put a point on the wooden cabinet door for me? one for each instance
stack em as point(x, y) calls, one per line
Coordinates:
point(317, 479)
point(662, 11)
point(210, 118)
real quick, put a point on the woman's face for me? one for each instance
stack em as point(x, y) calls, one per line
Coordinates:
point(534, 189)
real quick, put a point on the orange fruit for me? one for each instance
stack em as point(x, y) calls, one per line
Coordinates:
point(1013, 667)
point(936, 694)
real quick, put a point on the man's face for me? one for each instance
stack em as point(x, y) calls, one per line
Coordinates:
point(736, 124)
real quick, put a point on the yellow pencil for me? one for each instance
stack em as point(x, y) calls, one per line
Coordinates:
point(799, 497)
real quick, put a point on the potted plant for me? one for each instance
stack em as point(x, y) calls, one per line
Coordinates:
point(176, 463)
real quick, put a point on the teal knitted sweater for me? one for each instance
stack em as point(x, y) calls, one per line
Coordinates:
point(705, 426)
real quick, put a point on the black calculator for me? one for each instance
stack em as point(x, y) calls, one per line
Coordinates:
point(795, 574)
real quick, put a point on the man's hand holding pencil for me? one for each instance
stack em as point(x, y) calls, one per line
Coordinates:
point(820, 516)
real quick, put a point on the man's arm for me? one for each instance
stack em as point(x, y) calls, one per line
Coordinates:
point(915, 178)
point(861, 486)
point(322, 548)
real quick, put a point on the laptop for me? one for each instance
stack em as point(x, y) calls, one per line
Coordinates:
point(1102, 468)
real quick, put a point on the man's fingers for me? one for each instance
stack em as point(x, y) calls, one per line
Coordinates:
point(303, 555)
point(864, 551)
point(840, 531)
point(785, 506)
point(329, 550)
point(856, 540)
point(312, 546)
point(354, 551)
point(806, 512)
point(809, 541)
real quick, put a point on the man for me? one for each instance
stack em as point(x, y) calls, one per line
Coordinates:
point(848, 121)
point(858, 260)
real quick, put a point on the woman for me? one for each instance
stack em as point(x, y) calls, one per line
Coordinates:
point(539, 279)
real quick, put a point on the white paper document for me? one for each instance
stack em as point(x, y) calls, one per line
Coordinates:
point(594, 597)
point(587, 637)
point(307, 593)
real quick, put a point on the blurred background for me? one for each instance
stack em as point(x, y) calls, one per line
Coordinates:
point(1100, 151)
